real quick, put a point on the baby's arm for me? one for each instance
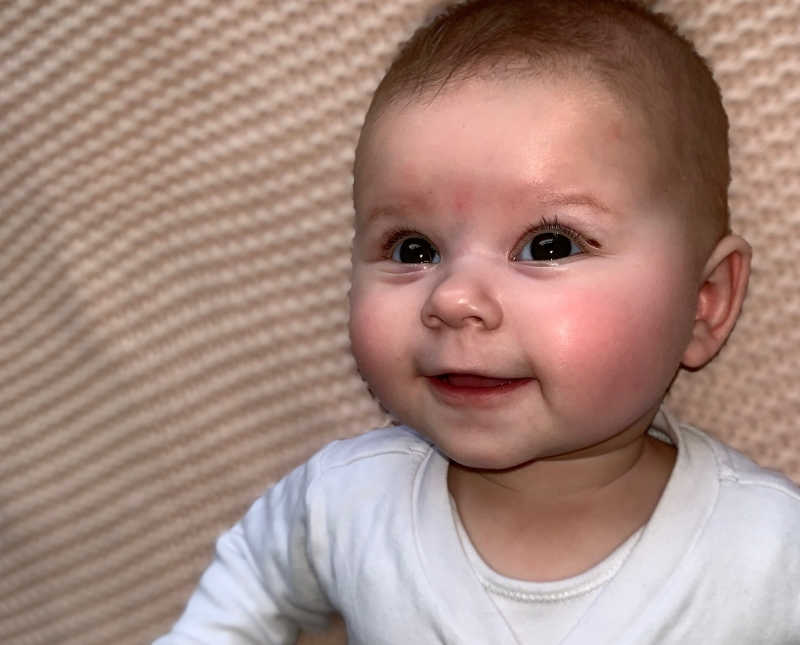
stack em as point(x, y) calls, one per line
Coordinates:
point(261, 586)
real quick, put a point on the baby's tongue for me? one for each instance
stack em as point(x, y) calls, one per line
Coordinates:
point(471, 380)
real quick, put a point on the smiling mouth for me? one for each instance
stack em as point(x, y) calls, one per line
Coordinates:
point(458, 390)
point(473, 381)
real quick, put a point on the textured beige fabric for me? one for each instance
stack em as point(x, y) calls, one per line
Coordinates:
point(174, 234)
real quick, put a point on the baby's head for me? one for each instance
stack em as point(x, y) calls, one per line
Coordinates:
point(541, 227)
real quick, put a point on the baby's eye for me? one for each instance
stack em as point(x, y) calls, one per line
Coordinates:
point(548, 246)
point(555, 242)
point(415, 250)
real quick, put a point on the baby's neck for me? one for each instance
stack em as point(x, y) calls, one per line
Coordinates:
point(553, 519)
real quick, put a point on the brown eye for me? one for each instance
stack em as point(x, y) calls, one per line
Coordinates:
point(548, 246)
point(415, 250)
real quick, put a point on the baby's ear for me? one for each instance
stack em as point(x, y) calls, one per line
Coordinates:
point(719, 299)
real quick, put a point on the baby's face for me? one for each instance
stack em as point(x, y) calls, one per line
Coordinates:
point(524, 286)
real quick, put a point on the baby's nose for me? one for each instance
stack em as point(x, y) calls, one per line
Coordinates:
point(463, 297)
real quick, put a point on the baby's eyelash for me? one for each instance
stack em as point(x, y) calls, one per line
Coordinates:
point(547, 225)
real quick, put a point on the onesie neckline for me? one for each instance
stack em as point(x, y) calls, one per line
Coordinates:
point(673, 523)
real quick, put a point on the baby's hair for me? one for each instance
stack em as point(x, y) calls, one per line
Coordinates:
point(636, 53)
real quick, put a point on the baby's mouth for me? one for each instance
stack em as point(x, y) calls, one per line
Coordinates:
point(473, 380)
point(464, 389)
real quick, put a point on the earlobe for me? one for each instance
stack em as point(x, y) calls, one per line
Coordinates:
point(719, 299)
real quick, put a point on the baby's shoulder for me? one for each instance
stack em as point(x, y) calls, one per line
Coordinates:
point(743, 475)
point(378, 444)
point(754, 503)
point(394, 452)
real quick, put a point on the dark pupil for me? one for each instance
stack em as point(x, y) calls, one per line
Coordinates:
point(550, 246)
point(415, 250)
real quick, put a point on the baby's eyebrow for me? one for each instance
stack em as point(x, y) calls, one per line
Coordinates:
point(554, 198)
point(381, 212)
point(543, 197)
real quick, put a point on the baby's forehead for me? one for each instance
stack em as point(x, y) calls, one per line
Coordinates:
point(499, 142)
point(630, 104)
point(506, 111)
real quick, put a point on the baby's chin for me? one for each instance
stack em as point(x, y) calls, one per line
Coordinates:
point(467, 457)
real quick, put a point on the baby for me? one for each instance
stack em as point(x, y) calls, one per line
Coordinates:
point(541, 242)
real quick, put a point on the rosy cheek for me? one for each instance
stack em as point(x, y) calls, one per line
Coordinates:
point(378, 325)
point(604, 341)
